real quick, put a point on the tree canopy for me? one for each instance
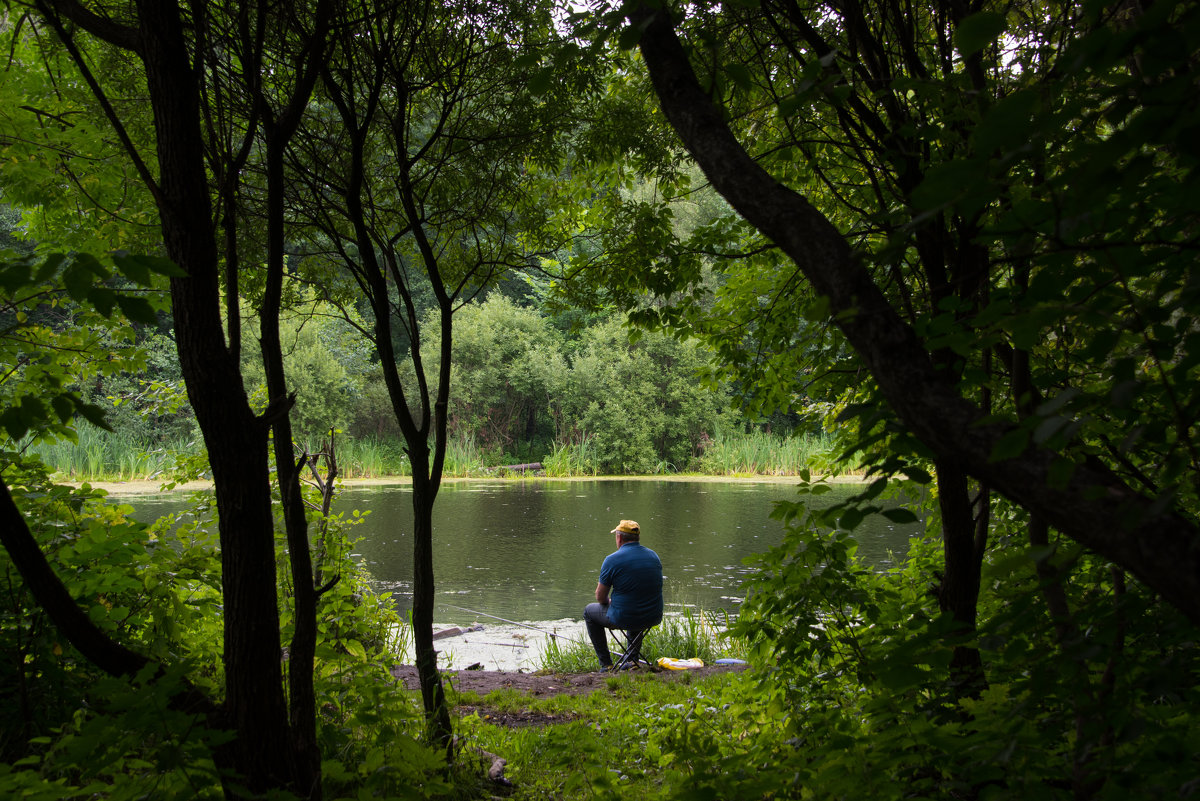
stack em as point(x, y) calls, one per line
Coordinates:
point(965, 231)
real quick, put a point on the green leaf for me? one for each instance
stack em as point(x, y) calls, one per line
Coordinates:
point(355, 649)
point(49, 267)
point(541, 81)
point(133, 268)
point(851, 519)
point(918, 475)
point(137, 309)
point(103, 299)
point(162, 266)
point(1056, 403)
point(1010, 445)
point(526, 60)
point(740, 75)
point(12, 422)
point(1061, 470)
point(950, 181)
point(64, 406)
point(78, 281)
point(1006, 126)
point(899, 515)
point(1048, 428)
point(93, 414)
point(978, 30)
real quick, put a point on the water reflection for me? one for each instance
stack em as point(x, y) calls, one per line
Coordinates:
point(532, 550)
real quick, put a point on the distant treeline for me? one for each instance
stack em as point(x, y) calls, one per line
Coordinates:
point(582, 399)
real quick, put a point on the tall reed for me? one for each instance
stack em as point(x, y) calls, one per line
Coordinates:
point(371, 457)
point(464, 457)
point(759, 453)
point(571, 459)
point(99, 455)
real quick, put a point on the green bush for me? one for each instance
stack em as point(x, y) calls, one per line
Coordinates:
point(638, 403)
point(157, 590)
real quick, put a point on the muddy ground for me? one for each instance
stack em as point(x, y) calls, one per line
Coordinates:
point(540, 685)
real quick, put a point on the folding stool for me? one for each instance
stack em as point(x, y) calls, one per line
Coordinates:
point(629, 642)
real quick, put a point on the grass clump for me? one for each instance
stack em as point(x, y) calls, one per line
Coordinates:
point(760, 453)
point(97, 455)
point(690, 634)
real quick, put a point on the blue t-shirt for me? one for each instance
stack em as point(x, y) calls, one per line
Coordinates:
point(634, 572)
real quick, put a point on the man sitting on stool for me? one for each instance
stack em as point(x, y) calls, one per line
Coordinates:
point(633, 576)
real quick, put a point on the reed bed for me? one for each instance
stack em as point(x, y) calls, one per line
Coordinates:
point(372, 457)
point(112, 456)
point(99, 455)
point(571, 459)
point(759, 453)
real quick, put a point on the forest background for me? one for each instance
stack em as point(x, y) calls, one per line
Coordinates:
point(963, 234)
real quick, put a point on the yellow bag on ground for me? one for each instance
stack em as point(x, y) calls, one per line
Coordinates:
point(671, 663)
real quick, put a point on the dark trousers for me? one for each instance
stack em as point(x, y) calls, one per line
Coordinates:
point(595, 617)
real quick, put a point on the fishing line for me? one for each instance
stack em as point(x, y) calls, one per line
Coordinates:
point(515, 623)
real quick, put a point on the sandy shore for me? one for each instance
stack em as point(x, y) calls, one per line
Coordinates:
point(153, 487)
point(501, 646)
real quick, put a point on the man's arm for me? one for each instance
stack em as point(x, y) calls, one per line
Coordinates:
point(602, 593)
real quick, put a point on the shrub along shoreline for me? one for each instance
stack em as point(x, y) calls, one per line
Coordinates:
point(102, 459)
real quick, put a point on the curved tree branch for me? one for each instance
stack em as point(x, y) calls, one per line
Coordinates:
point(1093, 507)
point(68, 617)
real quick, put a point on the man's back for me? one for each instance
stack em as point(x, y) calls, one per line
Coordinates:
point(635, 574)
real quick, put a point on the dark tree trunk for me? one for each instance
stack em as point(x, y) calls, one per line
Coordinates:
point(236, 440)
point(959, 593)
point(302, 700)
point(433, 696)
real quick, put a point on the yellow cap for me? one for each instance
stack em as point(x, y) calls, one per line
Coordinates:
point(628, 527)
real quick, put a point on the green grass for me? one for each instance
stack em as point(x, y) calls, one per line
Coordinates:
point(572, 459)
point(98, 455)
point(690, 634)
point(759, 453)
point(612, 743)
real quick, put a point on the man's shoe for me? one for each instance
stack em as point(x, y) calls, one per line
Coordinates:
point(605, 669)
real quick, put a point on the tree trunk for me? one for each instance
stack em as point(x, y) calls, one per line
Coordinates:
point(959, 593)
point(433, 696)
point(302, 699)
point(236, 440)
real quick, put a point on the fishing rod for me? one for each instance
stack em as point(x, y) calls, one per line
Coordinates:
point(515, 623)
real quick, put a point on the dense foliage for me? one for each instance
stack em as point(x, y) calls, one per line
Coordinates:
point(964, 233)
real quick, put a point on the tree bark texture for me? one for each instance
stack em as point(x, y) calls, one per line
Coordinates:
point(236, 440)
point(1094, 507)
point(433, 695)
point(959, 594)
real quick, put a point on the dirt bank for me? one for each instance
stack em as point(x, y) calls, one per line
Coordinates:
point(538, 685)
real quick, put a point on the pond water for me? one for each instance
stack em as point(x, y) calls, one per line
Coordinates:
point(531, 550)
